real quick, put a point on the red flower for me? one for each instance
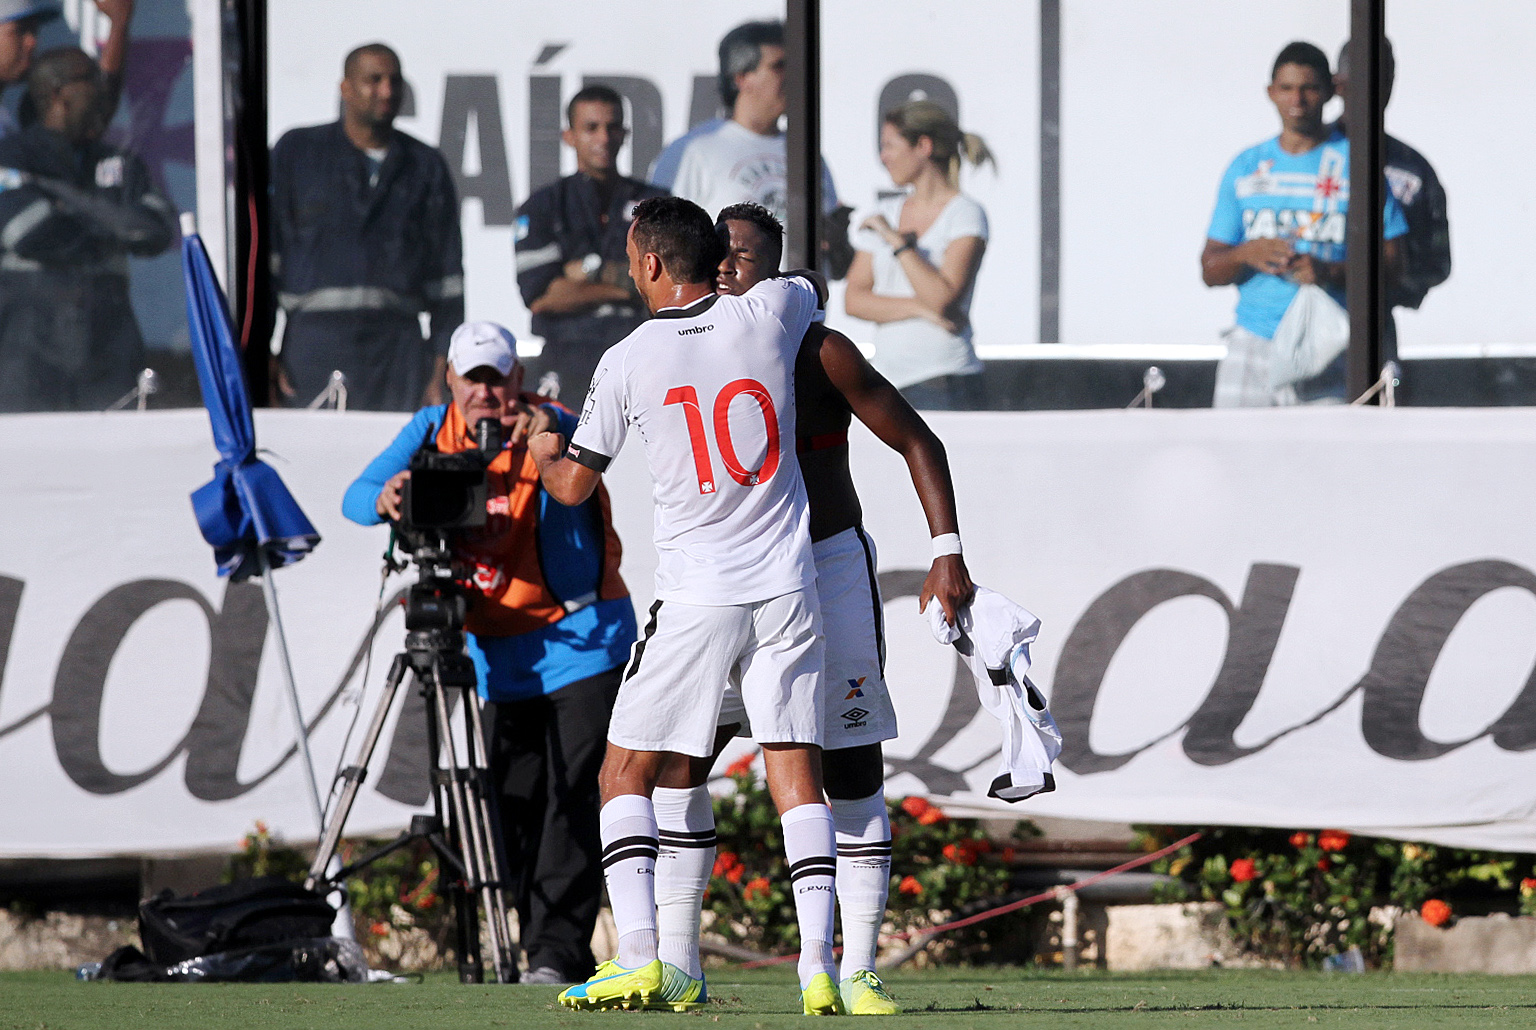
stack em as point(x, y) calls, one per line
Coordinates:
point(757, 887)
point(961, 854)
point(724, 863)
point(1300, 840)
point(1332, 840)
point(1243, 870)
point(909, 885)
point(379, 929)
point(1008, 855)
point(1322, 864)
point(933, 815)
point(742, 766)
point(1528, 885)
point(915, 807)
point(1435, 912)
point(734, 873)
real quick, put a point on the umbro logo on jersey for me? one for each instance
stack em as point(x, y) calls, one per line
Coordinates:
point(694, 330)
point(854, 690)
point(855, 714)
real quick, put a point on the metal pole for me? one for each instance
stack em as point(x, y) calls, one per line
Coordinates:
point(802, 93)
point(251, 290)
point(1050, 171)
point(1364, 284)
point(300, 731)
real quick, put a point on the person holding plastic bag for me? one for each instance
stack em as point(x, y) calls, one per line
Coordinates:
point(1278, 235)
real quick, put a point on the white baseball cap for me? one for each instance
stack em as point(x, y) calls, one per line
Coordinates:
point(474, 344)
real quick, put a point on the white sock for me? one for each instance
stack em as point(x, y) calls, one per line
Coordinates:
point(628, 826)
point(863, 876)
point(685, 821)
point(808, 844)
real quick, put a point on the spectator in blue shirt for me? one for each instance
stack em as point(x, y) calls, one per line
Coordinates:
point(1280, 223)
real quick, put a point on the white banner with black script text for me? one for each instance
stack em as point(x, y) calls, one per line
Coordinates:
point(1288, 618)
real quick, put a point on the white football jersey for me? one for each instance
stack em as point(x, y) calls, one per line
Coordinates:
point(710, 388)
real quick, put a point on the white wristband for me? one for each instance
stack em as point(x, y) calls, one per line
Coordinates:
point(946, 543)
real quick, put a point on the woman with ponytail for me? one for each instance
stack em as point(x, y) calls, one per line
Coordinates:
point(917, 259)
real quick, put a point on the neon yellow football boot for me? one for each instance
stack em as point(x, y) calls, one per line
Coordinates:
point(614, 987)
point(821, 998)
point(865, 995)
point(679, 991)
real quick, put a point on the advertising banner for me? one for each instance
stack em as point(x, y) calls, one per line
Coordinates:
point(1290, 618)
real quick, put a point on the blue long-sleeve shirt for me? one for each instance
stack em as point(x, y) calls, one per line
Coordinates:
point(589, 641)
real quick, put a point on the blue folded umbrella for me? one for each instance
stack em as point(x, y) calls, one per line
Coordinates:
point(245, 512)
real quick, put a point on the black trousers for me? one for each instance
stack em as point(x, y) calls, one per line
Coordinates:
point(545, 756)
point(383, 355)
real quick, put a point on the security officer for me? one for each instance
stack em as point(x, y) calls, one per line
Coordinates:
point(72, 209)
point(572, 268)
point(365, 237)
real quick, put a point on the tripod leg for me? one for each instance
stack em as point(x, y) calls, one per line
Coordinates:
point(354, 773)
point(464, 827)
point(488, 812)
point(447, 803)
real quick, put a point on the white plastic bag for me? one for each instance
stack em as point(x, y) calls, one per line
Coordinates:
point(1313, 331)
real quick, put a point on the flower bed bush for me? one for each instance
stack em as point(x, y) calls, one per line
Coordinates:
point(1300, 896)
point(939, 866)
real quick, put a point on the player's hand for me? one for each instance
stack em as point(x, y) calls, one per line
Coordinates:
point(949, 583)
point(388, 502)
point(523, 420)
point(546, 448)
point(1304, 270)
point(1271, 256)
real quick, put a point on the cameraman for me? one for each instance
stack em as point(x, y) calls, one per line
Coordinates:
point(550, 626)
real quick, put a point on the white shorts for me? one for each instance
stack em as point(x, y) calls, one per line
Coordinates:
point(770, 654)
point(858, 705)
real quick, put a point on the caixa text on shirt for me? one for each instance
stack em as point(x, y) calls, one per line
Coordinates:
point(1392, 690)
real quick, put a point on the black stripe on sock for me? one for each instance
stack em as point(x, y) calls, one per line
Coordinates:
point(673, 842)
point(828, 871)
point(688, 834)
point(615, 859)
point(630, 842)
point(864, 849)
point(817, 865)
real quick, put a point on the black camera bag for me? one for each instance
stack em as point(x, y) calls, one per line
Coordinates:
point(243, 914)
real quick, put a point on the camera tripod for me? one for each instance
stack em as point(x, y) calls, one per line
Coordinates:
point(463, 829)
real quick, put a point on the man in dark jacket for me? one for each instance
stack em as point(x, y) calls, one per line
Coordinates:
point(571, 265)
point(365, 237)
point(72, 209)
point(1427, 247)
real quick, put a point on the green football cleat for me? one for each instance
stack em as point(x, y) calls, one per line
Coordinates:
point(821, 998)
point(679, 991)
point(614, 987)
point(864, 995)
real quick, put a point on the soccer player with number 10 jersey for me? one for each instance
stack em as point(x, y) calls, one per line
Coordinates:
point(709, 385)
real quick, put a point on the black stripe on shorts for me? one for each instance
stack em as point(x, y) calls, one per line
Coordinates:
point(650, 630)
point(874, 596)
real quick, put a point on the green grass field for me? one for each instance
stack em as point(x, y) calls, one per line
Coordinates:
point(767, 1000)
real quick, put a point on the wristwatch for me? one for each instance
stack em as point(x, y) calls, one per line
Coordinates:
point(908, 241)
